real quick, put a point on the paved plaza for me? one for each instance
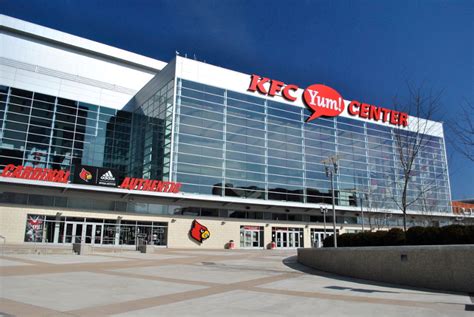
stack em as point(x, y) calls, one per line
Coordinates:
point(202, 283)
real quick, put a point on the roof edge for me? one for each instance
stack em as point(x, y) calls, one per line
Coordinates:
point(66, 39)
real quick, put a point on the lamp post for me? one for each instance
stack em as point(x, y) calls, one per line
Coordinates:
point(332, 167)
point(362, 210)
point(324, 211)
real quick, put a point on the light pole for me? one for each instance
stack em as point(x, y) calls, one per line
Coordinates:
point(330, 171)
point(362, 211)
point(324, 211)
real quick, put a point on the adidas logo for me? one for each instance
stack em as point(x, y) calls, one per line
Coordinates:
point(107, 176)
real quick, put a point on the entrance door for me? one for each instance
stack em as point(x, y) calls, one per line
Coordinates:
point(250, 238)
point(93, 233)
point(90, 233)
point(294, 240)
point(318, 238)
point(73, 232)
point(255, 239)
point(291, 239)
point(278, 241)
point(98, 229)
point(282, 239)
point(288, 239)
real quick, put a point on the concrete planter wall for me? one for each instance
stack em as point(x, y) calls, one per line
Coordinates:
point(447, 267)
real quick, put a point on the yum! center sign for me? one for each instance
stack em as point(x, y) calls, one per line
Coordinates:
point(323, 101)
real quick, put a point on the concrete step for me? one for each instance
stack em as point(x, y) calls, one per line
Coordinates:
point(114, 249)
point(47, 248)
point(35, 249)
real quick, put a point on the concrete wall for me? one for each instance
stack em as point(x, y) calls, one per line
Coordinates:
point(448, 268)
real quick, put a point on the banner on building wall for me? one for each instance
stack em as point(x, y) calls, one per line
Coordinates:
point(90, 175)
point(98, 176)
point(34, 228)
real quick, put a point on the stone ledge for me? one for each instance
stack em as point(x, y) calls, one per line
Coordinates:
point(441, 267)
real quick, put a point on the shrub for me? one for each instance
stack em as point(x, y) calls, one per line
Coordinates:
point(453, 234)
point(424, 236)
point(395, 236)
point(328, 242)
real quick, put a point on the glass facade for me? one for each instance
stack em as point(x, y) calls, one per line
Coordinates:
point(97, 231)
point(150, 148)
point(50, 132)
point(224, 143)
point(232, 144)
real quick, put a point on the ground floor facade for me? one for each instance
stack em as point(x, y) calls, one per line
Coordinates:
point(31, 225)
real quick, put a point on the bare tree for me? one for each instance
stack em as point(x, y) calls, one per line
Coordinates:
point(408, 144)
point(462, 129)
point(377, 213)
point(428, 205)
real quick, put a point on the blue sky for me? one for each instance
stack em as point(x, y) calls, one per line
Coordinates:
point(366, 50)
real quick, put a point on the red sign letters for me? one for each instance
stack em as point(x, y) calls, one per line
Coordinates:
point(150, 185)
point(325, 101)
point(36, 173)
point(370, 112)
point(287, 91)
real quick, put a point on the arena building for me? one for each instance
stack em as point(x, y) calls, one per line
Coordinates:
point(106, 147)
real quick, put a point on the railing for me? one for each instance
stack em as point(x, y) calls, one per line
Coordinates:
point(3, 245)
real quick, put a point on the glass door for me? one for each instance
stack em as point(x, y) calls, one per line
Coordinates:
point(78, 233)
point(68, 233)
point(93, 233)
point(73, 232)
point(288, 238)
point(291, 239)
point(250, 237)
point(89, 233)
point(282, 239)
point(99, 229)
point(255, 239)
point(316, 240)
point(247, 238)
point(279, 242)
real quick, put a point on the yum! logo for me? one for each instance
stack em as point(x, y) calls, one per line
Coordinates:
point(323, 101)
point(320, 99)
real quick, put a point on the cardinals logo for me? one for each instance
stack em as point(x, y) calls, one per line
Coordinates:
point(85, 175)
point(198, 232)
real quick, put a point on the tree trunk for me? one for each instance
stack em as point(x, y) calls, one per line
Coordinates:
point(404, 220)
point(404, 203)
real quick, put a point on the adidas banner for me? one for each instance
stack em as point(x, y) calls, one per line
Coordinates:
point(107, 177)
point(92, 175)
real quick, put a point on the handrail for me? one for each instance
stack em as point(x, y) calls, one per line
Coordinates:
point(4, 242)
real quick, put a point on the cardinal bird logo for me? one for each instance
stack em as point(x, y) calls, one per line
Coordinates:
point(198, 232)
point(85, 175)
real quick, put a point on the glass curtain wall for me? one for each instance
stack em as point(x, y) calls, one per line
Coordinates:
point(232, 144)
point(226, 144)
point(151, 135)
point(46, 131)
